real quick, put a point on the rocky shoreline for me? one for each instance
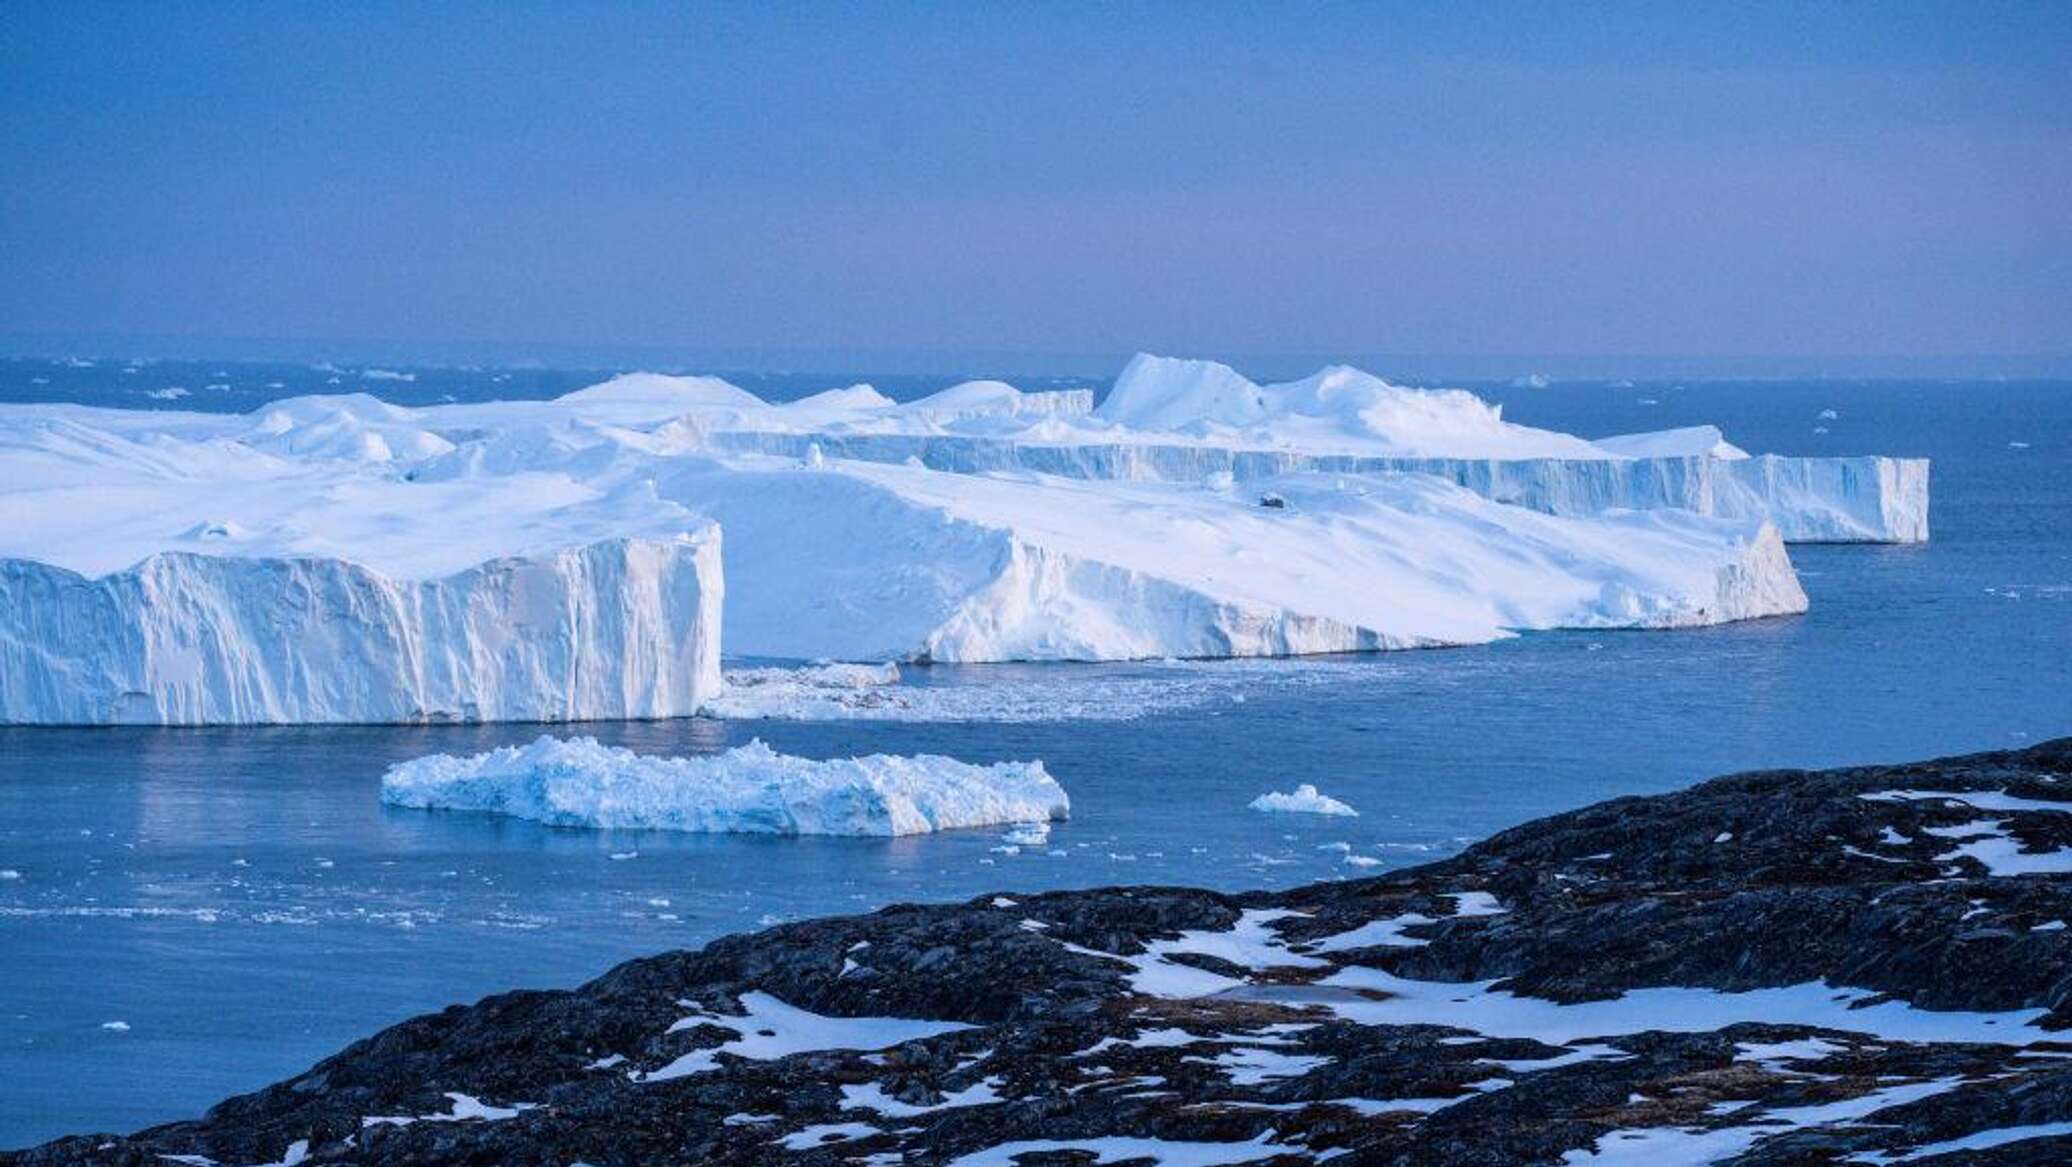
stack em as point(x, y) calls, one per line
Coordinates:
point(1868, 965)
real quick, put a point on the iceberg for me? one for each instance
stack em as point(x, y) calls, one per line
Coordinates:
point(975, 568)
point(228, 570)
point(750, 789)
point(340, 558)
point(1304, 799)
point(1694, 441)
point(623, 628)
point(1180, 420)
point(1856, 499)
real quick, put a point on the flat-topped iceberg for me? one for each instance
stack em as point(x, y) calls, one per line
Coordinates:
point(621, 628)
point(865, 561)
point(1867, 499)
point(1189, 420)
point(750, 789)
point(186, 570)
point(345, 559)
point(1186, 420)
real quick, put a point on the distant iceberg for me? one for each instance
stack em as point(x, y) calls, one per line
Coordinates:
point(751, 789)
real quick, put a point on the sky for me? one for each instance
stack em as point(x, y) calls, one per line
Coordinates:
point(1659, 180)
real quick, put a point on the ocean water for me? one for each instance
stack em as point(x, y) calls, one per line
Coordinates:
point(243, 905)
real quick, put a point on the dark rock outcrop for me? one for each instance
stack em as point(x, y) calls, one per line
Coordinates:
point(1875, 965)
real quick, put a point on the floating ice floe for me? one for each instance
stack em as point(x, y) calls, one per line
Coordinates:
point(1304, 799)
point(750, 789)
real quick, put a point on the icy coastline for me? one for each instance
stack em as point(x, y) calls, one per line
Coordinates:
point(1773, 967)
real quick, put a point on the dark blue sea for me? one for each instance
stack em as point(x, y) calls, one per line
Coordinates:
point(240, 903)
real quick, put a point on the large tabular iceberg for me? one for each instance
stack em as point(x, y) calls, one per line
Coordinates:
point(184, 569)
point(1185, 421)
point(344, 559)
point(750, 789)
point(618, 629)
point(1027, 567)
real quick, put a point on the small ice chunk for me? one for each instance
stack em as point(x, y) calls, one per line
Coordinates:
point(1033, 834)
point(1305, 799)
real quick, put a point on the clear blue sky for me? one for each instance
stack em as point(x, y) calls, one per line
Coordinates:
point(1549, 178)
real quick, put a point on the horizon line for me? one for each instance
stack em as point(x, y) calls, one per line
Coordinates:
point(925, 361)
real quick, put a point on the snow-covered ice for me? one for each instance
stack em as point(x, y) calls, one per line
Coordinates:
point(1697, 441)
point(1304, 799)
point(623, 628)
point(750, 789)
point(1190, 420)
point(339, 558)
point(963, 567)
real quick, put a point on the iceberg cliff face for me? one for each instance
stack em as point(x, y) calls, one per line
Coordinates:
point(1025, 567)
point(1827, 500)
point(625, 628)
point(1869, 499)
